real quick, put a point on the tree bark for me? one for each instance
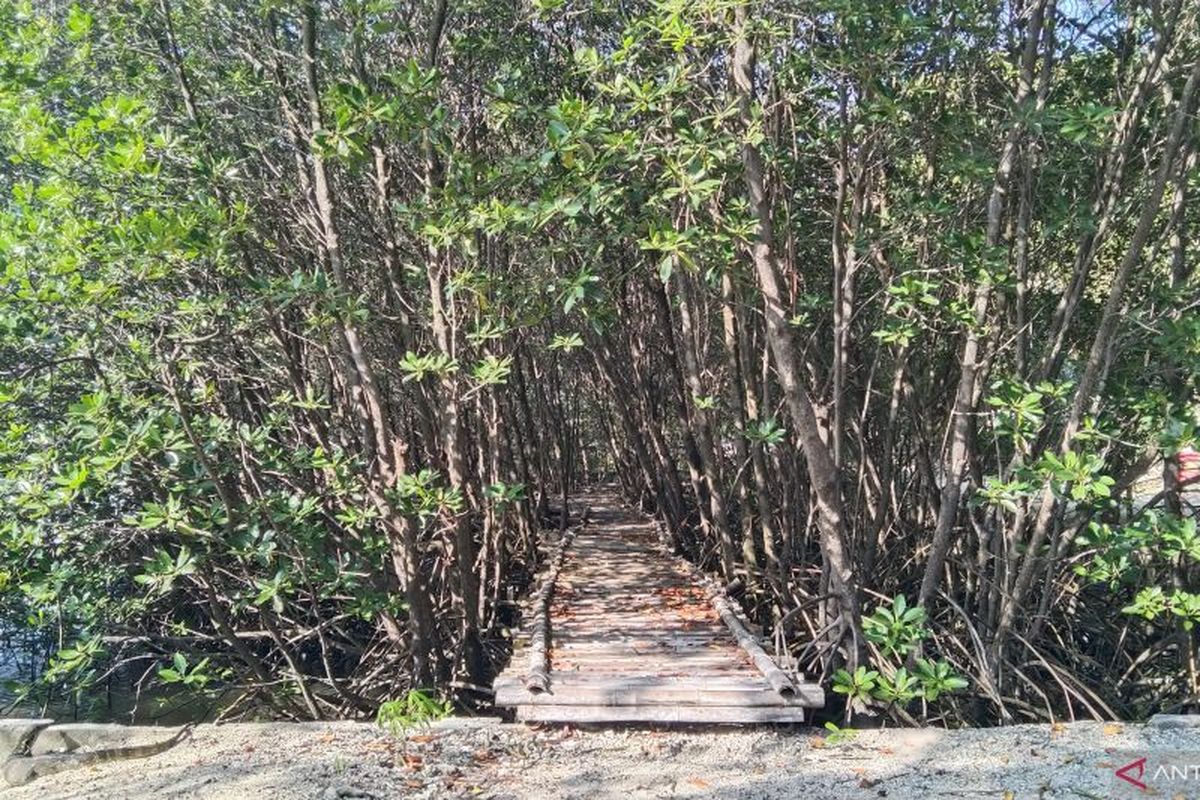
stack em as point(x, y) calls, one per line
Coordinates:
point(961, 414)
point(1090, 379)
point(822, 472)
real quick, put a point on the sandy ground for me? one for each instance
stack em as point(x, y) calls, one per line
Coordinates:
point(482, 758)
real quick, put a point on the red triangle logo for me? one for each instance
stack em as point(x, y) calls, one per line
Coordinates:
point(1133, 772)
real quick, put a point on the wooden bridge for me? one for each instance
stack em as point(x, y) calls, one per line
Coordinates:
point(622, 630)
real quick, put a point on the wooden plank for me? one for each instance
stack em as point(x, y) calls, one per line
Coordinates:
point(667, 691)
point(645, 666)
point(733, 660)
point(692, 715)
point(615, 637)
point(664, 649)
point(726, 653)
point(567, 629)
point(716, 681)
point(723, 681)
point(647, 662)
point(639, 666)
point(631, 636)
point(600, 636)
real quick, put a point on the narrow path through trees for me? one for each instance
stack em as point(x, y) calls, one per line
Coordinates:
point(635, 636)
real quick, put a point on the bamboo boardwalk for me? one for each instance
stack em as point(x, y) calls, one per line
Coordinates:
point(624, 631)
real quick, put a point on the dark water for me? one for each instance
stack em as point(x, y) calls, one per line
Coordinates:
point(22, 658)
point(115, 698)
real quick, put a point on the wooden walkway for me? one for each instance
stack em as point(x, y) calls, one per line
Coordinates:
point(624, 631)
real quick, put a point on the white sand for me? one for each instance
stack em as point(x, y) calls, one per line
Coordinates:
point(481, 758)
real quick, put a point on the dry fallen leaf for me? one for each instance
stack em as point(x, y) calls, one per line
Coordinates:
point(1111, 729)
point(816, 742)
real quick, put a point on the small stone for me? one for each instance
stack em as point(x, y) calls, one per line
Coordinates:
point(19, 771)
point(346, 793)
point(1175, 721)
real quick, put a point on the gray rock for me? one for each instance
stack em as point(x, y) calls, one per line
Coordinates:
point(465, 724)
point(15, 734)
point(186, 786)
point(340, 792)
point(1175, 721)
point(71, 736)
point(19, 771)
point(23, 769)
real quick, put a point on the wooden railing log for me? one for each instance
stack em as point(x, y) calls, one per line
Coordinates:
point(537, 679)
point(776, 677)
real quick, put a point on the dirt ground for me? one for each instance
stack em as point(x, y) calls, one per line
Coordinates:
point(486, 759)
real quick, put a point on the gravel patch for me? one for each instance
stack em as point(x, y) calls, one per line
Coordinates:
point(485, 759)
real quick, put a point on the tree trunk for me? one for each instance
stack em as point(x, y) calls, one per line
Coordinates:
point(961, 414)
point(821, 470)
point(1090, 379)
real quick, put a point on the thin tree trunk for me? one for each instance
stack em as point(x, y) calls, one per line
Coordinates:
point(1108, 192)
point(961, 414)
point(821, 469)
point(1090, 379)
point(734, 382)
point(702, 428)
